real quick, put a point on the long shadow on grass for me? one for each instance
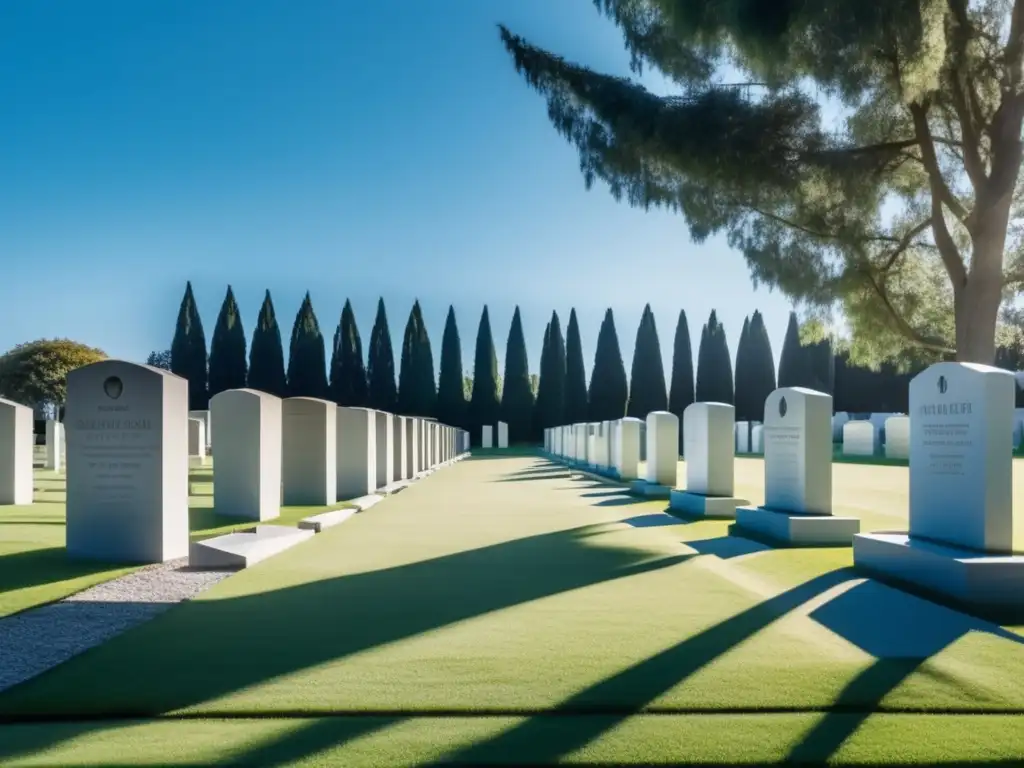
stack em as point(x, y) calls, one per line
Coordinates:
point(207, 649)
point(19, 570)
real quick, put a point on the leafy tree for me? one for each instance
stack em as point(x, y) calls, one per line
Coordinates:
point(188, 351)
point(714, 366)
point(452, 391)
point(36, 373)
point(307, 365)
point(608, 387)
point(647, 379)
point(932, 107)
point(266, 354)
point(484, 406)
point(681, 393)
point(576, 396)
point(551, 395)
point(792, 362)
point(516, 396)
point(380, 369)
point(416, 393)
point(348, 374)
point(761, 366)
point(160, 359)
point(228, 348)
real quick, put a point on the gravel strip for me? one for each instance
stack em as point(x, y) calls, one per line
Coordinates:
point(35, 640)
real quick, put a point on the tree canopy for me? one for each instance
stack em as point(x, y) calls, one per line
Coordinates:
point(516, 394)
point(576, 396)
point(307, 364)
point(417, 394)
point(266, 354)
point(348, 374)
point(188, 351)
point(609, 388)
point(451, 396)
point(861, 155)
point(485, 403)
point(714, 366)
point(551, 404)
point(681, 391)
point(647, 377)
point(380, 366)
point(36, 372)
point(228, 349)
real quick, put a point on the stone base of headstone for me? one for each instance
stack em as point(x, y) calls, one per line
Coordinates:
point(796, 530)
point(392, 488)
point(325, 520)
point(698, 505)
point(650, 490)
point(363, 503)
point(235, 551)
point(976, 581)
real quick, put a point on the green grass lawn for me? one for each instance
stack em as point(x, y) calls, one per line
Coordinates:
point(500, 612)
point(34, 568)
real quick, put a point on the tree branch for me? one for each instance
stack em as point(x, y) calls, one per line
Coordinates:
point(904, 243)
point(963, 96)
point(899, 323)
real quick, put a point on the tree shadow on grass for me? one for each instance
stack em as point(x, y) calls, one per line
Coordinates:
point(656, 520)
point(727, 547)
point(36, 567)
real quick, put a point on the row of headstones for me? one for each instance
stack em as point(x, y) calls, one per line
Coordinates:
point(487, 435)
point(127, 431)
point(960, 541)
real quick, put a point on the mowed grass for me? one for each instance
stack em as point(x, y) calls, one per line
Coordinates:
point(500, 612)
point(34, 568)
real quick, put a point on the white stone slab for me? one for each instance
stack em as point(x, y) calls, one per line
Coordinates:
point(487, 436)
point(650, 490)
point(392, 488)
point(838, 420)
point(502, 434)
point(400, 461)
point(628, 450)
point(860, 438)
point(17, 444)
point(662, 448)
point(127, 474)
point(385, 449)
point(742, 437)
point(196, 440)
point(961, 470)
point(356, 452)
point(324, 520)
point(247, 469)
point(708, 430)
point(798, 530)
point(363, 503)
point(757, 439)
point(234, 551)
point(207, 425)
point(412, 440)
point(897, 437)
point(309, 442)
point(55, 442)
point(798, 451)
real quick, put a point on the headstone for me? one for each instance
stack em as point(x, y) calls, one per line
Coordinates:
point(860, 438)
point(127, 474)
point(54, 445)
point(1018, 428)
point(757, 439)
point(582, 435)
point(798, 473)
point(613, 445)
point(742, 432)
point(205, 416)
point(708, 435)
point(878, 421)
point(628, 450)
point(17, 444)
point(247, 468)
point(837, 426)
point(356, 452)
point(412, 439)
point(309, 434)
point(662, 455)
point(385, 449)
point(502, 434)
point(435, 435)
point(400, 463)
point(487, 436)
point(897, 437)
point(196, 440)
point(962, 522)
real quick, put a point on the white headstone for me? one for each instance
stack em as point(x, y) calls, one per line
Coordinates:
point(878, 420)
point(127, 474)
point(502, 434)
point(837, 426)
point(435, 448)
point(742, 434)
point(196, 440)
point(662, 448)
point(860, 438)
point(385, 449)
point(54, 445)
point(798, 451)
point(17, 443)
point(309, 441)
point(708, 430)
point(757, 439)
point(247, 468)
point(205, 416)
point(400, 462)
point(897, 437)
point(412, 440)
point(356, 452)
point(961, 470)
point(628, 451)
point(582, 433)
point(487, 436)
point(613, 444)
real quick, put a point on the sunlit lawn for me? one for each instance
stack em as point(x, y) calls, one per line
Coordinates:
point(454, 620)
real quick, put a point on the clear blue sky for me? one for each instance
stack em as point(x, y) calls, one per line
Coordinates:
point(349, 149)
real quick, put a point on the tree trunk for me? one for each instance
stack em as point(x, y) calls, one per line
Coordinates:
point(978, 299)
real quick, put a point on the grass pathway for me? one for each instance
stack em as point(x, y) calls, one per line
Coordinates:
point(500, 610)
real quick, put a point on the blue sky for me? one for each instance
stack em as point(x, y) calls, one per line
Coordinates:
point(349, 149)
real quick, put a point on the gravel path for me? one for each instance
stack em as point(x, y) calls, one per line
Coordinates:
point(35, 640)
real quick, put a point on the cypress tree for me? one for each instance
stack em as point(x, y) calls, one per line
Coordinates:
point(188, 351)
point(484, 406)
point(380, 368)
point(307, 367)
point(577, 398)
point(544, 372)
point(423, 365)
point(714, 367)
point(266, 355)
point(647, 378)
point(792, 371)
point(516, 394)
point(348, 374)
point(744, 374)
point(228, 367)
point(761, 363)
point(609, 389)
point(406, 374)
point(451, 396)
point(682, 390)
point(551, 397)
